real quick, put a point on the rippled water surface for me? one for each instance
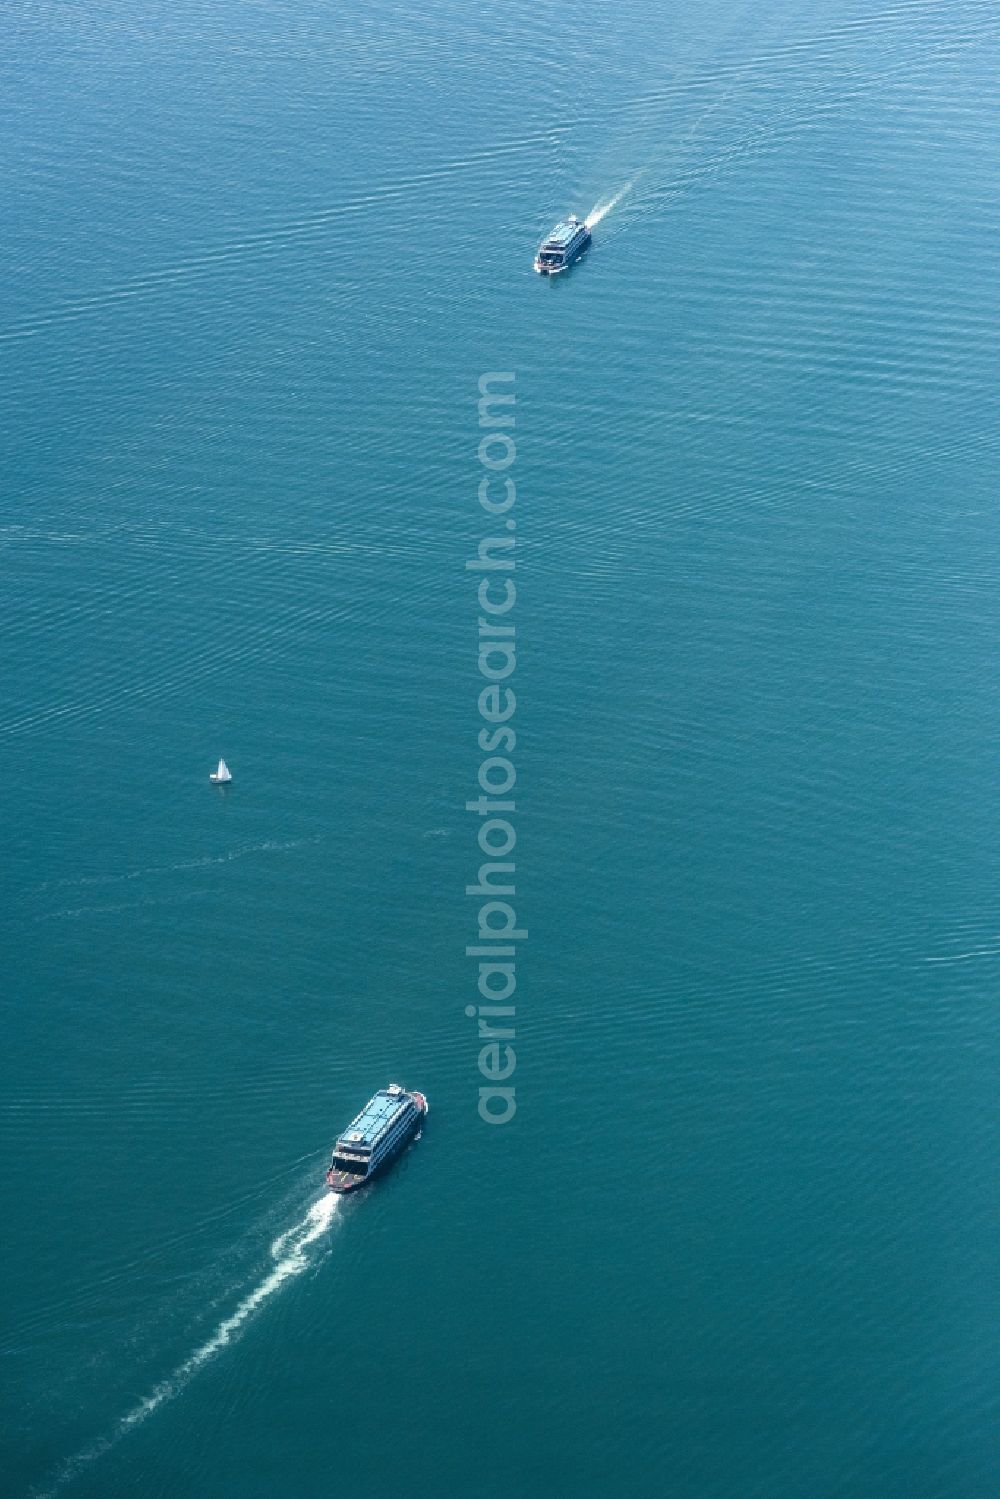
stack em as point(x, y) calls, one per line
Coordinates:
point(740, 1238)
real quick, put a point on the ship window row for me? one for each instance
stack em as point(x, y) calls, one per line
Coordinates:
point(374, 1139)
point(403, 1119)
point(391, 1138)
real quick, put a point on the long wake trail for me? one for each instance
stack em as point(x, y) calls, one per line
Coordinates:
point(290, 1253)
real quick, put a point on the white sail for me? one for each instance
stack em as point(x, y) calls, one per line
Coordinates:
point(223, 771)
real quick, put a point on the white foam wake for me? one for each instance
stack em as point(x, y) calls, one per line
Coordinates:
point(290, 1253)
point(601, 210)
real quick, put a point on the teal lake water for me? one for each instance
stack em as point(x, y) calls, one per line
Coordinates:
point(740, 1238)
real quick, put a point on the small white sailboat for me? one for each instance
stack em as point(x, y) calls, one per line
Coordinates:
point(222, 775)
